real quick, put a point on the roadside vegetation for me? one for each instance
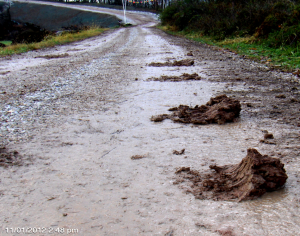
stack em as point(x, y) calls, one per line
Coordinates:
point(51, 40)
point(6, 42)
point(265, 30)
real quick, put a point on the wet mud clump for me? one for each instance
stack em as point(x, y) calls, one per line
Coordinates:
point(220, 109)
point(190, 54)
point(251, 178)
point(174, 78)
point(136, 157)
point(9, 158)
point(185, 62)
point(181, 152)
point(268, 138)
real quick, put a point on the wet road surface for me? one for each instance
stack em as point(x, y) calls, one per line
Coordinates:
point(78, 120)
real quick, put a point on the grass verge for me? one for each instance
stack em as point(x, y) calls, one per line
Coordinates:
point(51, 41)
point(285, 58)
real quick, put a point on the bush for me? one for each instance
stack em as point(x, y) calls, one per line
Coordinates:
point(274, 20)
point(179, 14)
point(29, 33)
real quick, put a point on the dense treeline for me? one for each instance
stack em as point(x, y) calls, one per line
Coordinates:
point(275, 21)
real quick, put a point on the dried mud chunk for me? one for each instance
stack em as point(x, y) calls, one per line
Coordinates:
point(185, 62)
point(268, 136)
point(182, 169)
point(159, 118)
point(136, 157)
point(220, 109)
point(159, 64)
point(251, 178)
point(175, 152)
point(226, 232)
point(174, 78)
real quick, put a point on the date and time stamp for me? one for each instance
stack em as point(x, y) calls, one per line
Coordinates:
point(41, 231)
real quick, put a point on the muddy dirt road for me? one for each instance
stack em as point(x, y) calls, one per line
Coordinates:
point(76, 114)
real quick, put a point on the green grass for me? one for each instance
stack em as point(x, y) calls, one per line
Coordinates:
point(7, 43)
point(51, 41)
point(285, 58)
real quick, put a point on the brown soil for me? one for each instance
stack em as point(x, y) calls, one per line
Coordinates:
point(136, 157)
point(185, 62)
point(265, 141)
point(267, 137)
point(226, 232)
point(9, 158)
point(251, 178)
point(181, 152)
point(220, 109)
point(182, 77)
point(54, 56)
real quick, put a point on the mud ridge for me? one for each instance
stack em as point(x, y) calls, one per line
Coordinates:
point(174, 78)
point(220, 109)
point(185, 62)
point(251, 178)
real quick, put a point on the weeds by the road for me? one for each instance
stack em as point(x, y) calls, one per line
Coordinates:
point(285, 57)
point(50, 41)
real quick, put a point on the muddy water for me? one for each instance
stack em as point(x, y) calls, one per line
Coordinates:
point(81, 176)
